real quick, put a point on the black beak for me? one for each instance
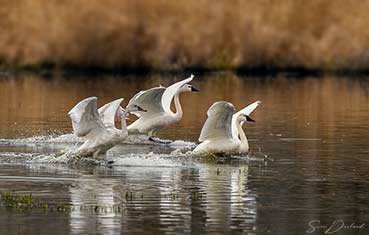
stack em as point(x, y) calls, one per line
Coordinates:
point(141, 109)
point(193, 89)
point(249, 119)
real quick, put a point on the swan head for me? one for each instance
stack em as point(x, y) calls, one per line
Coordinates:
point(244, 118)
point(135, 108)
point(188, 88)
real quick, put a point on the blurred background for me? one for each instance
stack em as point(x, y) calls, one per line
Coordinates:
point(174, 35)
point(309, 149)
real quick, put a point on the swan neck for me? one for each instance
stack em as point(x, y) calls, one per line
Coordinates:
point(178, 106)
point(123, 121)
point(243, 138)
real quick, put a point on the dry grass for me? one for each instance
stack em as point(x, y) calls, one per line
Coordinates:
point(167, 34)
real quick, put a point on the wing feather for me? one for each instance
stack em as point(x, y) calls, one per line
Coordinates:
point(218, 123)
point(85, 117)
point(169, 93)
point(149, 100)
point(109, 111)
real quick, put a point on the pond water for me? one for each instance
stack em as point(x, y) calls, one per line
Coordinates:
point(308, 167)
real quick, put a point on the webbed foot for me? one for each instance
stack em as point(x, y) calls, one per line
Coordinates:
point(156, 140)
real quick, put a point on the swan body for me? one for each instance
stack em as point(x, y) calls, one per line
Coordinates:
point(97, 127)
point(154, 124)
point(222, 133)
point(218, 147)
point(157, 102)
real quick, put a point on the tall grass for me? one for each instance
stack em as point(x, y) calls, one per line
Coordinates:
point(167, 34)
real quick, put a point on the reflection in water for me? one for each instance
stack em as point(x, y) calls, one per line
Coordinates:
point(94, 207)
point(174, 202)
point(227, 202)
point(241, 195)
point(169, 200)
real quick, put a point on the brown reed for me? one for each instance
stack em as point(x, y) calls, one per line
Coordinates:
point(168, 34)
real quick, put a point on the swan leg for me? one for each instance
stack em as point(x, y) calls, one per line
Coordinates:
point(96, 154)
point(157, 140)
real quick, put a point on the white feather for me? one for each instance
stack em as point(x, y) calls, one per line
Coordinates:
point(222, 132)
point(170, 92)
point(85, 117)
point(218, 123)
point(109, 111)
point(245, 111)
point(150, 100)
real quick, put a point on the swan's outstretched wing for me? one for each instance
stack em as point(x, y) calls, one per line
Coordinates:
point(169, 93)
point(109, 111)
point(245, 111)
point(85, 117)
point(218, 124)
point(150, 100)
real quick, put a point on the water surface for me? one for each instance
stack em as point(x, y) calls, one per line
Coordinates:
point(313, 130)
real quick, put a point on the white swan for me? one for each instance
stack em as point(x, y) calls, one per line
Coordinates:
point(222, 132)
point(99, 132)
point(157, 102)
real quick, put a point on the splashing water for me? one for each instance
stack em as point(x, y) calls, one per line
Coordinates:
point(137, 150)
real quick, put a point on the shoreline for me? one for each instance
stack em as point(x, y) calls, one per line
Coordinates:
point(48, 71)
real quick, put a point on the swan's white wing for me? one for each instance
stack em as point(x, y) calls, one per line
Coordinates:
point(85, 117)
point(218, 125)
point(245, 111)
point(150, 100)
point(169, 93)
point(109, 111)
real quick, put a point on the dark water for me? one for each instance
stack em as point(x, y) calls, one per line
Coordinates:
point(313, 130)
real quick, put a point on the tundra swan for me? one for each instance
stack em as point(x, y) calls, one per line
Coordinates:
point(99, 134)
point(222, 132)
point(157, 102)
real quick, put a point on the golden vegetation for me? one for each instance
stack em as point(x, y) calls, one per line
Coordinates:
point(167, 34)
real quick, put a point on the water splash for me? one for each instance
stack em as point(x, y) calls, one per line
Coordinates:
point(68, 139)
point(144, 140)
point(173, 159)
point(137, 150)
point(42, 139)
point(115, 157)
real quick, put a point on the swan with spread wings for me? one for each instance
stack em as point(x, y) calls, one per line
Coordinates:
point(157, 102)
point(222, 132)
point(97, 128)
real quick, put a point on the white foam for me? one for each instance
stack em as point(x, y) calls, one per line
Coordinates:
point(42, 139)
point(151, 159)
point(137, 150)
point(14, 157)
point(50, 158)
point(66, 138)
point(182, 144)
point(70, 139)
point(144, 139)
point(148, 160)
